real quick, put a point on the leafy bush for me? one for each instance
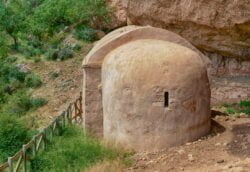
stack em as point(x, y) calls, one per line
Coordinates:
point(30, 51)
point(53, 15)
point(76, 47)
point(10, 72)
point(52, 54)
point(11, 59)
point(237, 108)
point(246, 111)
point(85, 33)
point(13, 134)
point(231, 110)
point(37, 59)
point(56, 40)
point(3, 46)
point(65, 53)
point(17, 105)
point(38, 102)
point(20, 103)
point(73, 151)
point(33, 81)
point(245, 103)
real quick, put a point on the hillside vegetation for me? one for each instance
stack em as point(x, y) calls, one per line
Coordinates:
point(34, 31)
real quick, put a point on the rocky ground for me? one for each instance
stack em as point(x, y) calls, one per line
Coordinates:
point(226, 149)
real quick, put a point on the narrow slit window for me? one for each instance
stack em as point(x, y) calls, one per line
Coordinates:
point(166, 99)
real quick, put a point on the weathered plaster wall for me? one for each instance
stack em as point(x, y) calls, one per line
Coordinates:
point(135, 77)
point(92, 105)
point(93, 63)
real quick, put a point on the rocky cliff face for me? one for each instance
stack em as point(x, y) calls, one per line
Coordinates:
point(219, 28)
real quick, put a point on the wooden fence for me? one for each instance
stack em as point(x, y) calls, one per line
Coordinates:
point(21, 160)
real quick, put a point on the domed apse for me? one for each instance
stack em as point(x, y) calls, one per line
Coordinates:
point(146, 88)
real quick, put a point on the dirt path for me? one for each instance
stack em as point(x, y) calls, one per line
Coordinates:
point(226, 149)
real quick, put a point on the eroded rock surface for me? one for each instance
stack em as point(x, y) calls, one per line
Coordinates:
point(219, 28)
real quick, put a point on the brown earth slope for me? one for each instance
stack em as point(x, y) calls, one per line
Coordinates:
point(62, 84)
point(226, 149)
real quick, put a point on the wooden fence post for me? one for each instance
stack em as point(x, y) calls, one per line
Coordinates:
point(44, 139)
point(70, 114)
point(10, 164)
point(63, 118)
point(24, 159)
point(34, 146)
point(80, 99)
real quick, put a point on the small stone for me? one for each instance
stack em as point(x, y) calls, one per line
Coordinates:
point(181, 151)
point(150, 162)
point(217, 117)
point(220, 161)
point(188, 144)
point(217, 144)
point(190, 157)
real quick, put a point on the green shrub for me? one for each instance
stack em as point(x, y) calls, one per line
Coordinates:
point(56, 40)
point(13, 134)
point(17, 105)
point(3, 94)
point(20, 103)
point(73, 151)
point(37, 59)
point(38, 102)
point(10, 72)
point(33, 81)
point(86, 33)
point(3, 45)
point(246, 111)
point(30, 51)
point(52, 54)
point(245, 103)
point(11, 59)
point(12, 86)
point(65, 53)
point(237, 108)
point(231, 110)
point(54, 15)
point(76, 47)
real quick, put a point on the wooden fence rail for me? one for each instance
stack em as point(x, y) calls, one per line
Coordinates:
point(19, 162)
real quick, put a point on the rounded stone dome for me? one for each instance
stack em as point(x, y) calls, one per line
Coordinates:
point(156, 94)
